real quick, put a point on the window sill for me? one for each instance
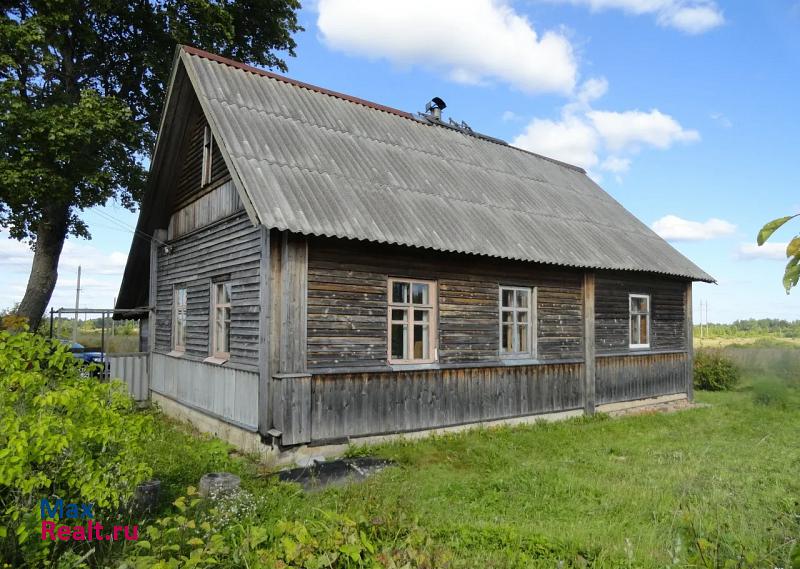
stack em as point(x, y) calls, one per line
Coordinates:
point(215, 360)
point(176, 353)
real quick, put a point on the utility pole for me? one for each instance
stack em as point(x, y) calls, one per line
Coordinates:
point(77, 306)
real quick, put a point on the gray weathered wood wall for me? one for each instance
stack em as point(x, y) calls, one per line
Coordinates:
point(226, 250)
point(668, 325)
point(347, 303)
point(187, 187)
point(228, 394)
point(631, 377)
point(360, 404)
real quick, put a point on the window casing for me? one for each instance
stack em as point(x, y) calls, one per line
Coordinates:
point(517, 330)
point(221, 320)
point(208, 158)
point(639, 320)
point(412, 321)
point(179, 319)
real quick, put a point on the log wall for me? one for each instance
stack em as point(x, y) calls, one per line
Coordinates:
point(668, 319)
point(347, 303)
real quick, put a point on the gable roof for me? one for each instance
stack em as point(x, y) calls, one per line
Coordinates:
point(316, 162)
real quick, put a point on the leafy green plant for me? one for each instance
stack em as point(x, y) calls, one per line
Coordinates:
point(205, 533)
point(714, 372)
point(61, 436)
point(791, 273)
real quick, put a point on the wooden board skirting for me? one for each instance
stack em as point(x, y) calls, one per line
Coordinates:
point(363, 404)
point(625, 377)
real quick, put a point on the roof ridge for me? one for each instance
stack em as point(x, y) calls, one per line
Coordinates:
point(256, 71)
point(350, 98)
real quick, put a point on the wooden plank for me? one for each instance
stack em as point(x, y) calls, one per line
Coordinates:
point(589, 342)
point(361, 404)
point(264, 329)
point(689, 326)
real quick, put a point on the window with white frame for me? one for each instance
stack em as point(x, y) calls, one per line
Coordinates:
point(639, 320)
point(208, 152)
point(412, 321)
point(516, 321)
point(179, 320)
point(221, 321)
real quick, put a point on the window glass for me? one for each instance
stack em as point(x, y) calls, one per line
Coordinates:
point(221, 326)
point(411, 328)
point(639, 321)
point(420, 293)
point(516, 336)
point(400, 292)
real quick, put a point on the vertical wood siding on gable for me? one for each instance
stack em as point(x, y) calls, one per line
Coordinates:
point(229, 249)
point(347, 303)
point(668, 322)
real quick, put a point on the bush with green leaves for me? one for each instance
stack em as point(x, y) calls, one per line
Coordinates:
point(61, 436)
point(714, 372)
point(225, 532)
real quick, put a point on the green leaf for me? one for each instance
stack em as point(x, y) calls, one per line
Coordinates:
point(793, 248)
point(771, 228)
point(791, 276)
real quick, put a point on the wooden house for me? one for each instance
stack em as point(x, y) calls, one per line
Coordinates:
point(314, 268)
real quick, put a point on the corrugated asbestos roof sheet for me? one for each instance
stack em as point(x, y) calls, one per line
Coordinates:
point(321, 163)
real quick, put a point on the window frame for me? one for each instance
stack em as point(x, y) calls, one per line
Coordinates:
point(208, 157)
point(531, 350)
point(631, 314)
point(433, 324)
point(177, 309)
point(215, 306)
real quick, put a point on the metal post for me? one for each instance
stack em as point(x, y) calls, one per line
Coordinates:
point(51, 322)
point(77, 305)
point(103, 343)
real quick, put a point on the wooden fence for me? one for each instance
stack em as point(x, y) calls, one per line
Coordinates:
point(132, 369)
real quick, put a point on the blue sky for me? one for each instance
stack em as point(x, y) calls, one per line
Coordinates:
point(686, 111)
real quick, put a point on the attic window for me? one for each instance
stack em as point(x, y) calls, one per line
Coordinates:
point(208, 152)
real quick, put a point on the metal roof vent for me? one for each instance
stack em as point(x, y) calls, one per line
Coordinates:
point(435, 107)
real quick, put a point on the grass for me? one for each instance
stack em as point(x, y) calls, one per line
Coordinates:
point(689, 489)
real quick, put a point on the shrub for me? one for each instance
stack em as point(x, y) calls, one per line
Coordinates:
point(714, 372)
point(61, 436)
point(223, 533)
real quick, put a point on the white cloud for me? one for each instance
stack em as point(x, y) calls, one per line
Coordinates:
point(721, 120)
point(631, 129)
point(101, 273)
point(509, 116)
point(571, 140)
point(674, 228)
point(616, 164)
point(472, 42)
point(689, 16)
point(771, 251)
point(588, 138)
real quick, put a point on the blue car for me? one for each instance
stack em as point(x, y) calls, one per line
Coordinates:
point(79, 352)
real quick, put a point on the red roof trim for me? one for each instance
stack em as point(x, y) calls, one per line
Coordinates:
point(255, 70)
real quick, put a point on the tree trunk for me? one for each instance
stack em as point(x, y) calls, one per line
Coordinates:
point(50, 238)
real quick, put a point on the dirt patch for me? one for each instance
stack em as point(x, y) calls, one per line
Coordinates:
point(320, 475)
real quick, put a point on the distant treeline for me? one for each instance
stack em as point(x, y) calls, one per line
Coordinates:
point(752, 327)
